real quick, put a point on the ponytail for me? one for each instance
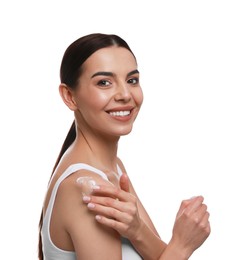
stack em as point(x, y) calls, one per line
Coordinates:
point(67, 142)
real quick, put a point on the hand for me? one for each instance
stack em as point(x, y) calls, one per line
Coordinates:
point(191, 226)
point(116, 208)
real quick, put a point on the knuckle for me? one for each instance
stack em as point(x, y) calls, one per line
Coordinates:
point(128, 219)
point(202, 226)
point(108, 201)
point(113, 224)
point(204, 206)
point(186, 214)
point(133, 210)
point(197, 220)
point(125, 228)
point(134, 199)
point(112, 212)
point(116, 192)
point(208, 230)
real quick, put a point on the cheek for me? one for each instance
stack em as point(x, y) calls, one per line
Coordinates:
point(139, 96)
point(93, 100)
point(102, 97)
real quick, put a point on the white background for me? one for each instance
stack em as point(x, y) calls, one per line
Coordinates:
point(189, 139)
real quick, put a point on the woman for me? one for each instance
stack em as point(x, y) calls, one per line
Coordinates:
point(100, 84)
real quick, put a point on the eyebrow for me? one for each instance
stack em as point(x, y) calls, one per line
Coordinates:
point(105, 73)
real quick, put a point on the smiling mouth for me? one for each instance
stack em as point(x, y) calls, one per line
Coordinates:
point(120, 113)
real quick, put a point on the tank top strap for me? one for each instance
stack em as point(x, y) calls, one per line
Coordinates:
point(119, 171)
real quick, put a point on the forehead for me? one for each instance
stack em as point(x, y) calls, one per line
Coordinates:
point(110, 59)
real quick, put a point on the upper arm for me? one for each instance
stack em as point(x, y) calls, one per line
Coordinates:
point(89, 238)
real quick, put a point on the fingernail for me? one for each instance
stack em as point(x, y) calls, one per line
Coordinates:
point(91, 205)
point(95, 187)
point(98, 217)
point(86, 198)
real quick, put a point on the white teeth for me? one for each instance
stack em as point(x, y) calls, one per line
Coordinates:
point(120, 113)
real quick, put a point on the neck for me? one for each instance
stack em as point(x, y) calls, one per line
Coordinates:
point(100, 150)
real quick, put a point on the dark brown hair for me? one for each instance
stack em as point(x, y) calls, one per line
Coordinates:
point(71, 68)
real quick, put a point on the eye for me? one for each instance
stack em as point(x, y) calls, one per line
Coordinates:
point(133, 81)
point(104, 83)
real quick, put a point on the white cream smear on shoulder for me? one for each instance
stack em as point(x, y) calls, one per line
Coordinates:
point(86, 183)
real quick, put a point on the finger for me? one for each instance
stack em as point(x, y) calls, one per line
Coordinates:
point(197, 217)
point(108, 202)
point(110, 212)
point(205, 224)
point(124, 182)
point(184, 204)
point(194, 205)
point(119, 226)
point(113, 192)
point(208, 228)
point(201, 210)
point(111, 202)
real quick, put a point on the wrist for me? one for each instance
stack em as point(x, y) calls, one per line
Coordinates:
point(147, 243)
point(139, 232)
point(178, 251)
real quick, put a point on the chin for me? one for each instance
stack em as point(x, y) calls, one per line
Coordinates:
point(124, 132)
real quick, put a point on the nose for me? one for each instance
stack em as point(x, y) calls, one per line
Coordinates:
point(123, 93)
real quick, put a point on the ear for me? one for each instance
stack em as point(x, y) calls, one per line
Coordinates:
point(67, 96)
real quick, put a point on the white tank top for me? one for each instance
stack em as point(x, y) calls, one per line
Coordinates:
point(50, 251)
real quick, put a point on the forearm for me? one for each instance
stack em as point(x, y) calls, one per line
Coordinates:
point(148, 244)
point(151, 247)
point(173, 251)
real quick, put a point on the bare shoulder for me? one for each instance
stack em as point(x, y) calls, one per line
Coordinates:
point(70, 193)
point(89, 239)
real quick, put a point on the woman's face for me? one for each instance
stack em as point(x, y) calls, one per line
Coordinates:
point(109, 96)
